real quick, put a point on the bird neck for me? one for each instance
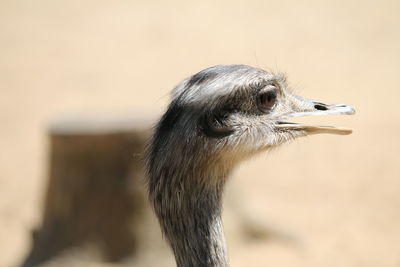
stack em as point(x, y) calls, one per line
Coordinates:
point(189, 211)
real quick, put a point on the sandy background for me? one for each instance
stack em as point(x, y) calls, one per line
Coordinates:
point(337, 197)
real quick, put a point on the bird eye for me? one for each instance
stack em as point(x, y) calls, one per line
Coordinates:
point(267, 100)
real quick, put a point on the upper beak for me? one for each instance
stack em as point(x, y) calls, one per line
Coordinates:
point(306, 107)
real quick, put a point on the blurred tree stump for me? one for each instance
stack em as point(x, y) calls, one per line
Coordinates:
point(95, 192)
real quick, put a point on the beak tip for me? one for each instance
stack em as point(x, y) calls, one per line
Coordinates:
point(348, 109)
point(350, 131)
point(342, 131)
point(352, 110)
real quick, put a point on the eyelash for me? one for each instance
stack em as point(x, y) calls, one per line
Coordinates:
point(259, 85)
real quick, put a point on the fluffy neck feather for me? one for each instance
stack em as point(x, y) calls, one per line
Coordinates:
point(189, 211)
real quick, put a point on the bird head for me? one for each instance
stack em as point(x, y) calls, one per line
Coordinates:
point(235, 111)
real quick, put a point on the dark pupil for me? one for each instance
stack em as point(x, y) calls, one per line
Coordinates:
point(267, 99)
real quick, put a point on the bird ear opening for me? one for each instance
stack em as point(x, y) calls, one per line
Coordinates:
point(214, 125)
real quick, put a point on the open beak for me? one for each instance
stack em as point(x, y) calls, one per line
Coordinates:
point(305, 107)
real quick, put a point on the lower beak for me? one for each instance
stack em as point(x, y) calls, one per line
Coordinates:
point(311, 108)
point(316, 129)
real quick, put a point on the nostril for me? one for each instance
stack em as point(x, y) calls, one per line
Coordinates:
point(320, 107)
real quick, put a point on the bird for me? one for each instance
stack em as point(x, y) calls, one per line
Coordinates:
point(216, 119)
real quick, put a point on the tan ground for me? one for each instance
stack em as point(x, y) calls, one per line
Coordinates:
point(337, 197)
